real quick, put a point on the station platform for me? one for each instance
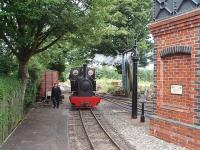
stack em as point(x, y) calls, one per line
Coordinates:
point(44, 128)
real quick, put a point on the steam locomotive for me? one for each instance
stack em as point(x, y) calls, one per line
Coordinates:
point(83, 87)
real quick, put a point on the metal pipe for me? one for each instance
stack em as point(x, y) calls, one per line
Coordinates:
point(134, 84)
point(142, 118)
point(123, 73)
point(84, 70)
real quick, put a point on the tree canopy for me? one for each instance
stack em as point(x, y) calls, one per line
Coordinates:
point(79, 28)
point(127, 21)
point(124, 21)
point(29, 27)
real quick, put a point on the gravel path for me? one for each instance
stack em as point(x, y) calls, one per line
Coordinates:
point(132, 130)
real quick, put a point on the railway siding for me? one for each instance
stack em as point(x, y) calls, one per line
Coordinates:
point(124, 102)
point(133, 132)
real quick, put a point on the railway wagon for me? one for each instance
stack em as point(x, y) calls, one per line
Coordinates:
point(48, 79)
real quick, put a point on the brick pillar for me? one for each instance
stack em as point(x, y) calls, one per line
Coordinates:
point(177, 79)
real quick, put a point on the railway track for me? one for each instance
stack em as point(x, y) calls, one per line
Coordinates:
point(126, 104)
point(89, 130)
point(97, 135)
point(122, 105)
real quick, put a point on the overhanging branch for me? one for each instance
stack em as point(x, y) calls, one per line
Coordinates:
point(49, 45)
point(44, 37)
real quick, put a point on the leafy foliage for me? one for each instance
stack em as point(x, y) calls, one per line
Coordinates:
point(8, 62)
point(127, 21)
point(7, 85)
point(30, 96)
point(35, 69)
point(26, 25)
point(145, 75)
point(30, 27)
point(107, 72)
point(120, 23)
point(104, 85)
point(11, 105)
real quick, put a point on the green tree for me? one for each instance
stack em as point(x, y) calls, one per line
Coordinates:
point(54, 58)
point(127, 22)
point(7, 60)
point(29, 27)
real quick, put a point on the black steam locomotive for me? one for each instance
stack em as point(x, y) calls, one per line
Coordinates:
point(83, 87)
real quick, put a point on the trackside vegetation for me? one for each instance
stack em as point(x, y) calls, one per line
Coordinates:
point(11, 105)
point(107, 76)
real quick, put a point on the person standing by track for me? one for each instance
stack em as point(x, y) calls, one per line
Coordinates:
point(55, 95)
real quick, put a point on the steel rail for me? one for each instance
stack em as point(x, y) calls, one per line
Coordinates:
point(121, 106)
point(100, 125)
point(124, 105)
point(111, 139)
point(86, 132)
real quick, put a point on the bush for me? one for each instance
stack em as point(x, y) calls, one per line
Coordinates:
point(107, 72)
point(144, 86)
point(106, 75)
point(105, 85)
point(145, 75)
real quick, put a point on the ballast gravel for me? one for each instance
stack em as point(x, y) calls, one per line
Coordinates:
point(132, 130)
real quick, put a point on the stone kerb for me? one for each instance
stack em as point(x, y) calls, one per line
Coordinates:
point(177, 79)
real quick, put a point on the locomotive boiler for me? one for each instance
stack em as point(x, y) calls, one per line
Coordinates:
point(83, 87)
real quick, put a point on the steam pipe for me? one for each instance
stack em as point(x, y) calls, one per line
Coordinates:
point(84, 70)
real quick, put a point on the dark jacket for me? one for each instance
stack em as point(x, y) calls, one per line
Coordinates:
point(56, 92)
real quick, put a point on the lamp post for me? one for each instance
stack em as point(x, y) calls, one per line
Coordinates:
point(134, 57)
point(123, 73)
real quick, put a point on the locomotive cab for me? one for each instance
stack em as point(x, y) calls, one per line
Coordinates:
point(83, 87)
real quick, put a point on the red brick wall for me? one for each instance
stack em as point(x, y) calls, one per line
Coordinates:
point(171, 132)
point(176, 71)
point(177, 117)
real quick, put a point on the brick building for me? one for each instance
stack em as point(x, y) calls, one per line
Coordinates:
point(177, 74)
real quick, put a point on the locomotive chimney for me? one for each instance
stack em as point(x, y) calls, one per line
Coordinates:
point(84, 70)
